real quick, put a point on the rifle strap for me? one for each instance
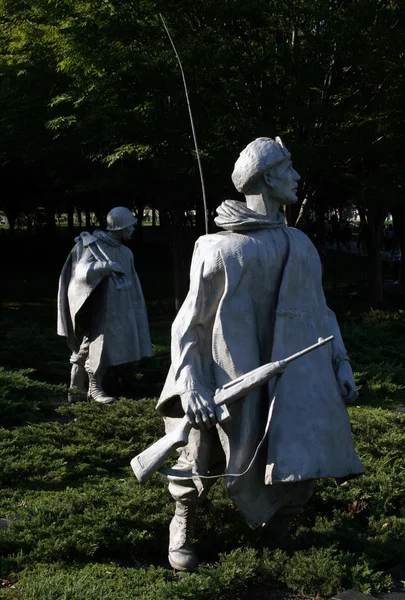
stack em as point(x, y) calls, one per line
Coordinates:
point(175, 474)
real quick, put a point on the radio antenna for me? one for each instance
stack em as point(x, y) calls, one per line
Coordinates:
point(192, 123)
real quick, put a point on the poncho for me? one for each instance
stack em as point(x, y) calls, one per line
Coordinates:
point(114, 320)
point(256, 296)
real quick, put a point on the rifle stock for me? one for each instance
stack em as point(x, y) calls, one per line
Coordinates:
point(150, 460)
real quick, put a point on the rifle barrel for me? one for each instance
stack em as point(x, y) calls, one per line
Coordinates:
point(320, 342)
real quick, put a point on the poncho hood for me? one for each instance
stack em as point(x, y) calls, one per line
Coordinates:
point(102, 236)
point(236, 216)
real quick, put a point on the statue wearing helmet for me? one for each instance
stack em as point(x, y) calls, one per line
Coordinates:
point(120, 218)
point(101, 308)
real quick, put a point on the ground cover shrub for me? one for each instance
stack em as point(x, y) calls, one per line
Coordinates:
point(24, 399)
point(82, 528)
point(77, 503)
point(317, 572)
point(375, 340)
point(325, 572)
point(28, 340)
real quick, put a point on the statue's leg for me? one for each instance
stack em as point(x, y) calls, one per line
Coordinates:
point(96, 391)
point(301, 494)
point(278, 526)
point(78, 376)
point(203, 455)
point(182, 556)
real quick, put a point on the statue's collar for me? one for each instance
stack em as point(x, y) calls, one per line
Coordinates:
point(105, 236)
point(236, 216)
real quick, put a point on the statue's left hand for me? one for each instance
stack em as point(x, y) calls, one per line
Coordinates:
point(345, 379)
point(199, 409)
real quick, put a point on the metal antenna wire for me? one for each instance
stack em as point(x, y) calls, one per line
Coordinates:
point(192, 124)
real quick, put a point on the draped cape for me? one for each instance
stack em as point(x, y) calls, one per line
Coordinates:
point(256, 296)
point(89, 303)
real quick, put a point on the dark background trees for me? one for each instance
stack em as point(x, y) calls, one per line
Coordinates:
point(93, 111)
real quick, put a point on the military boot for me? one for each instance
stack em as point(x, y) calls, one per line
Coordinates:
point(182, 556)
point(78, 383)
point(96, 391)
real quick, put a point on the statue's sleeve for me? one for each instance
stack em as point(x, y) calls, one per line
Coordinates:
point(339, 352)
point(65, 325)
point(191, 347)
point(90, 271)
point(86, 275)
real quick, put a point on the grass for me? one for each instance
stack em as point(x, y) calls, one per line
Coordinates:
point(82, 528)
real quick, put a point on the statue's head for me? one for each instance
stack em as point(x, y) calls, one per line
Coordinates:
point(121, 219)
point(266, 161)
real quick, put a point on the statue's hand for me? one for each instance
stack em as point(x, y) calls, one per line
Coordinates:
point(115, 267)
point(199, 409)
point(345, 379)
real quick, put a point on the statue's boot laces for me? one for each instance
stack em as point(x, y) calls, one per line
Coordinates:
point(78, 383)
point(96, 391)
point(182, 556)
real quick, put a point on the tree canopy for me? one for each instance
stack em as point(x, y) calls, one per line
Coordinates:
point(93, 110)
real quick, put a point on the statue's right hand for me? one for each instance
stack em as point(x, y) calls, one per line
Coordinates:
point(199, 409)
point(116, 268)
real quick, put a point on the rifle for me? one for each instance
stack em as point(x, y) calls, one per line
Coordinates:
point(149, 461)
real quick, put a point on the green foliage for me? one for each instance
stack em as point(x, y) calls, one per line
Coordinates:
point(102, 87)
point(76, 501)
point(82, 528)
point(378, 364)
point(23, 399)
point(314, 572)
point(325, 572)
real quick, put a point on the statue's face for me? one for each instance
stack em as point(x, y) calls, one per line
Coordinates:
point(283, 181)
point(127, 233)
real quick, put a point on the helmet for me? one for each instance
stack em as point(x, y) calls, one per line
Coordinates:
point(120, 218)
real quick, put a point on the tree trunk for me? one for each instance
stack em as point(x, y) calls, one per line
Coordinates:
point(100, 217)
point(70, 219)
point(30, 224)
point(200, 219)
point(182, 240)
point(398, 216)
point(375, 283)
point(182, 244)
point(50, 218)
point(11, 223)
point(79, 217)
point(320, 232)
point(291, 214)
point(164, 218)
point(139, 216)
point(373, 220)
